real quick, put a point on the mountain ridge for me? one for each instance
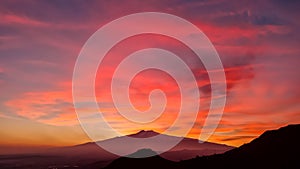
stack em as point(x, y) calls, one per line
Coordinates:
point(199, 149)
point(278, 149)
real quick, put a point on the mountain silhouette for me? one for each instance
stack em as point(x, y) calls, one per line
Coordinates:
point(276, 149)
point(186, 149)
point(144, 134)
point(90, 156)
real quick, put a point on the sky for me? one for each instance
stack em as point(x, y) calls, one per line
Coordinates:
point(257, 41)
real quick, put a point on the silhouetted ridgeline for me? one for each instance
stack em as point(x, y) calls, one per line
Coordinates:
point(276, 149)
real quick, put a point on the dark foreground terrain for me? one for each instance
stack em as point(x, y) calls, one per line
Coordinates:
point(276, 149)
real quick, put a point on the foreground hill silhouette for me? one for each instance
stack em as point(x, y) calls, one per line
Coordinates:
point(276, 149)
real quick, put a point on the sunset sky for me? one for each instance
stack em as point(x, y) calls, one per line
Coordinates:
point(257, 41)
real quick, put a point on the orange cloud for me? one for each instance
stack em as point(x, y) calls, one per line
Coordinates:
point(54, 108)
